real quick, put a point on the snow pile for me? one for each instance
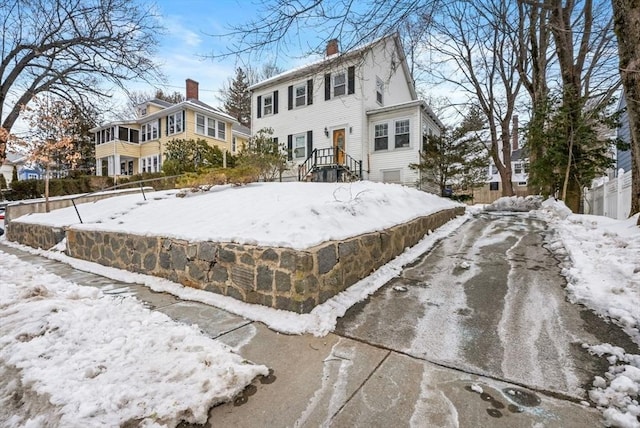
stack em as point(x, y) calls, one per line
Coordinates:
point(515, 204)
point(601, 261)
point(103, 361)
point(556, 208)
point(618, 392)
point(295, 215)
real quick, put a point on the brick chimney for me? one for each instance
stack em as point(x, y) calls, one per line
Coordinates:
point(332, 47)
point(192, 89)
point(514, 134)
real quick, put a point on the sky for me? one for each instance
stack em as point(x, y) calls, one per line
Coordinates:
point(602, 266)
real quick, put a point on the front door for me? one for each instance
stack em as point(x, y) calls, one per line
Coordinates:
point(339, 145)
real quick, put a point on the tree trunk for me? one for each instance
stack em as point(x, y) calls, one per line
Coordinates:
point(627, 28)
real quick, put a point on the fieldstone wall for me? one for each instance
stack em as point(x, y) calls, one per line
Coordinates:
point(281, 278)
point(34, 235)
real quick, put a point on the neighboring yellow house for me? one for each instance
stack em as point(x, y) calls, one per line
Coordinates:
point(136, 146)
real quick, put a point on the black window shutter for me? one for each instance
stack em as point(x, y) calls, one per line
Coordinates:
point(327, 86)
point(309, 91)
point(309, 142)
point(351, 80)
point(290, 89)
point(289, 147)
point(166, 131)
point(275, 142)
point(184, 120)
point(159, 128)
point(275, 102)
point(259, 107)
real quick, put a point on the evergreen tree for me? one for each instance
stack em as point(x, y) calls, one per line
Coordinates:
point(237, 99)
point(14, 174)
point(190, 155)
point(457, 158)
point(263, 155)
point(3, 182)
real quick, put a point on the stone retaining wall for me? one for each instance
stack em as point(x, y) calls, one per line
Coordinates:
point(283, 278)
point(35, 235)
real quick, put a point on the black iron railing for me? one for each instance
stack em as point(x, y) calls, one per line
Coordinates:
point(330, 157)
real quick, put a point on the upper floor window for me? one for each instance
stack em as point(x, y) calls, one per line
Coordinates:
point(207, 126)
point(379, 90)
point(517, 168)
point(268, 103)
point(175, 123)
point(381, 136)
point(267, 106)
point(339, 83)
point(402, 133)
point(234, 144)
point(150, 131)
point(301, 95)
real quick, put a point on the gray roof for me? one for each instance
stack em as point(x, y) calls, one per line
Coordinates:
point(241, 129)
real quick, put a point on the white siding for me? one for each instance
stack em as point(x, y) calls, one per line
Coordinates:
point(349, 111)
point(396, 158)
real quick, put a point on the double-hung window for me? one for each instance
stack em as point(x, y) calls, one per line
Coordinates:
point(174, 123)
point(222, 130)
point(267, 105)
point(150, 131)
point(200, 124)
point(402, 133)
point(339, 83)
point(300, 146)
point(301, 95)
point(381, 136)
point(517, 168)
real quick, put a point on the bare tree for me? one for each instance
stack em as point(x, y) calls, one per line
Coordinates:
point(476, 39)
point(71, 48)
point(278, 24)
point(627, 28)
point(52, 137)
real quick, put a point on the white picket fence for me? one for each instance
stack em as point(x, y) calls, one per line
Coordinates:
point(611, 199)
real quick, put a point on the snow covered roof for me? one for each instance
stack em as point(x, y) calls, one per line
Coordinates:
point(327, 61)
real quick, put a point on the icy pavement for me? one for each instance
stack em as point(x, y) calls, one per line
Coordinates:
point(337, 381)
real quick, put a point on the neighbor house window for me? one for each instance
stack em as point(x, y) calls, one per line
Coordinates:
point(174, 123)
point(379, 90)
point(150, 164)
point(402, 133)
point(150, 131)
point(300, 146)
point(200, 121)
point(494, 170)
point(267, 106)
point(494, 185)
point(222, 130)
point(210, 127)
point(301, 95)
point(517, 168)
point(339, 83)
point(234, 145)
point(381, 136)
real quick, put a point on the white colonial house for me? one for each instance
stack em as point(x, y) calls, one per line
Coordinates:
point(352, 115)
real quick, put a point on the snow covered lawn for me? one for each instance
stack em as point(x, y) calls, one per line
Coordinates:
point(102, 360)
point(294, 215)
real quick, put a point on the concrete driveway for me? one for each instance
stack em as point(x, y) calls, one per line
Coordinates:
point(477, 333)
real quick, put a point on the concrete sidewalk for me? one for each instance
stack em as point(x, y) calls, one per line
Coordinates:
point(341, 382)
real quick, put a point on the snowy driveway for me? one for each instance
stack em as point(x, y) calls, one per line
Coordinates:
point(488, 300)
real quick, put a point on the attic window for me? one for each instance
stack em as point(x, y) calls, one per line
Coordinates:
point(379, 90)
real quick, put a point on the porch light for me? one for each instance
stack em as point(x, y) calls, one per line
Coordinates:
point(326, 132)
